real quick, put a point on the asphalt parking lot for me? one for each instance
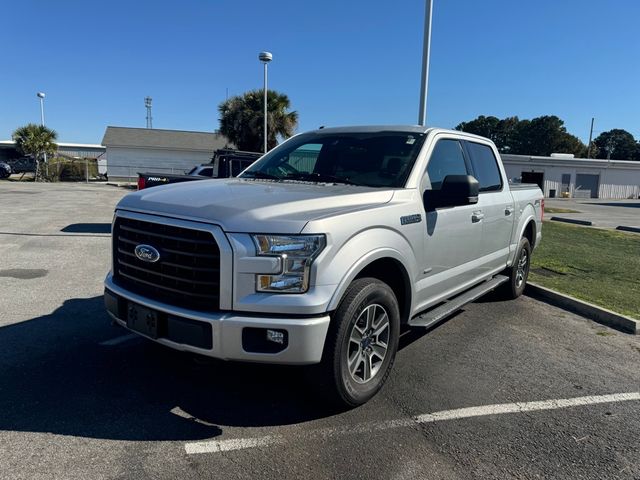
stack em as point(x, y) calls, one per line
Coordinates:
point(602, 212)
point(502, 390)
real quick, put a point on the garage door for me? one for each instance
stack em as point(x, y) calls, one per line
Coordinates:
point(533, 177)
point(586, 185)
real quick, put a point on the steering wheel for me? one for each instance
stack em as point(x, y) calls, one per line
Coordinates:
point(287, 169)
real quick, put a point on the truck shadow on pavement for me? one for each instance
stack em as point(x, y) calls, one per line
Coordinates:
point(57, 377)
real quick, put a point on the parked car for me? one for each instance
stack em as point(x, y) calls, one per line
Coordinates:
point(5, 170)
point(224, 164)
point(322, 250)
point(25, 164)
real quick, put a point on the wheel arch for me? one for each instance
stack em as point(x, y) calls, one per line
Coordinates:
point(387, 266)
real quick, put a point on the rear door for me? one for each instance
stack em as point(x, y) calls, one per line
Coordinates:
point(495, 206)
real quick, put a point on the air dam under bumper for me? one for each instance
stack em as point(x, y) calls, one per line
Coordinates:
point(304, 336)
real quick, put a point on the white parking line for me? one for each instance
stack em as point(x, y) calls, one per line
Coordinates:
point(231, 444)
point(214, 446)
point(118, 340)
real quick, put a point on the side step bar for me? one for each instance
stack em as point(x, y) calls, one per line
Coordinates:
point(435, 316)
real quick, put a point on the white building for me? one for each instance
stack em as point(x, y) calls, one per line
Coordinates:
point(133, 150)
point(565, 176)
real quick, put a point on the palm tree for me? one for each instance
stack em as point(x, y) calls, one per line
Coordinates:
point(35, 140)
point(242, 117)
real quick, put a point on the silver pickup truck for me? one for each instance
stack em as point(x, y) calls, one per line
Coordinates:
point(323, 250)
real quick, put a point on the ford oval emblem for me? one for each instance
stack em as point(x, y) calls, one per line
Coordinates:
point(147, 253)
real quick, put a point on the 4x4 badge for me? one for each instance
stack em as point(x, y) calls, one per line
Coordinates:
point(415, 218)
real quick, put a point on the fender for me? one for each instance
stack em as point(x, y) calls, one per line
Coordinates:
point(527, 216)
point(402, 253)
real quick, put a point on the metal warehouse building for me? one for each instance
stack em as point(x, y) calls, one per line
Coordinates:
point(133, 150)
point(565, 176)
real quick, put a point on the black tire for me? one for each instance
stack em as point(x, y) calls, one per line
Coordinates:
point(519, 271)
point(342, 386)
point(4, 173)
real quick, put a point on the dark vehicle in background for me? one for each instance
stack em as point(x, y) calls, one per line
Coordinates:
point(26, 164)
point(5, 170)
point(225, 163)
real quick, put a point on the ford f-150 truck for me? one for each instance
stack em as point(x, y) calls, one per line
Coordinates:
point(323, 250)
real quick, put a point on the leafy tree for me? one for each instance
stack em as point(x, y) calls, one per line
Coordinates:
point(36, 140)
point(483, 126)
point(501, 132)
point(242, 117)
point(507, 133)
point(538, 136)
point(617, 144)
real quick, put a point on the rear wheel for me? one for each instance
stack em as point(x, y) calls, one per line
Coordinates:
point(519, 271)
point(361, 344)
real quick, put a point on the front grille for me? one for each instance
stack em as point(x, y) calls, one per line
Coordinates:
point(187, 274)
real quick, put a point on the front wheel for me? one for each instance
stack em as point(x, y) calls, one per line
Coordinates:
point(361, 344)
point(519, 271)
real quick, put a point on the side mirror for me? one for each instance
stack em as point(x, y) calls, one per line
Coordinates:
point(456, 190)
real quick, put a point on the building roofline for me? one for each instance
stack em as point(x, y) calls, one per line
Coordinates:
point(163, 130)
point(563, 161)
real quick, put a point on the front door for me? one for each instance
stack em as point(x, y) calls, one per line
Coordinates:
point(495, 205)
point(452, 234)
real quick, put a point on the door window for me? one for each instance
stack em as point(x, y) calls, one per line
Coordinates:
point(485, 167)
point(446, 159)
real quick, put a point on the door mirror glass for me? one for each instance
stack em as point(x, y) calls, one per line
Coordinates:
point(456, 190)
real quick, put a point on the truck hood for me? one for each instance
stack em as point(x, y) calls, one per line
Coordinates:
point(253, 205)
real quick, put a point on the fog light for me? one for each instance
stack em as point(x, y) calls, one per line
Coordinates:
point(275, 336)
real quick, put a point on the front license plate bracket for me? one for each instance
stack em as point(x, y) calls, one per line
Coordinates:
point(142, 320)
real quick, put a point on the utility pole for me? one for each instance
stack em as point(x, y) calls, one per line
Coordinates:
point(426, 51)
point(590, 137)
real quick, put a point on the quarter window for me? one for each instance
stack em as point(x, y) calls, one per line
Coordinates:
point(446, 159)
point(485, 167)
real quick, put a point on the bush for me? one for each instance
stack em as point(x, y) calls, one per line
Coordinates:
point(71, 170)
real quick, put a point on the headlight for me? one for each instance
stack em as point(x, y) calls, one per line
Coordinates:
point(296, 253)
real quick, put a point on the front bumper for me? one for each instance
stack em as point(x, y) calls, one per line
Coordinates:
point(228, 330)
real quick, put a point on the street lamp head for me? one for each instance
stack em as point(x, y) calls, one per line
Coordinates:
point(265, 57)
point(40, 95)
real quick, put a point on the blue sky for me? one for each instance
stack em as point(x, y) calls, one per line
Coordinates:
point(340, 62)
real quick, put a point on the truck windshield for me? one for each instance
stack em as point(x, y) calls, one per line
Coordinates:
point(378, 159)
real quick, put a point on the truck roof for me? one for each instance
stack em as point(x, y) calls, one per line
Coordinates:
point(392, 128)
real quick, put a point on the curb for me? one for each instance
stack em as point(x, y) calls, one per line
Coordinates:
point(593, 312)
point(571, 220)
point(624, 228)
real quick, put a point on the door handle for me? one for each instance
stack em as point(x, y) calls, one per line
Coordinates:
point(508, 211)
point(477, 216)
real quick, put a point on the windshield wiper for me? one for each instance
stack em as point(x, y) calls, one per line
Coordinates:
point(259, 174)
point(319, 177)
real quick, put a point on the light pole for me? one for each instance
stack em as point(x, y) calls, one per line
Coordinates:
point(41, 96)
point(426, 51)
point(265, 57)
point(147, 105)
